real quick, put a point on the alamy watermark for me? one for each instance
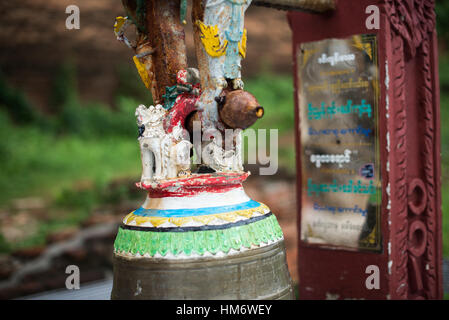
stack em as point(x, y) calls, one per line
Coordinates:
point(373, 19)
point(72, 282)
point(373, 280)
point(73, 20)
point(251, 145)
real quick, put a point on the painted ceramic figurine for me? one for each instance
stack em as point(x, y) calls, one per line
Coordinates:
point(197, 235)
point(164, 154)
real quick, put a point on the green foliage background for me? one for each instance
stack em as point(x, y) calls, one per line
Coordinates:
point(91, 144)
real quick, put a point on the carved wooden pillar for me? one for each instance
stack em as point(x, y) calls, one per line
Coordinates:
point(410, 258)
point(413, 92)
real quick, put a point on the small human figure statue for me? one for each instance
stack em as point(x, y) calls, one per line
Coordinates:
point(176, 155)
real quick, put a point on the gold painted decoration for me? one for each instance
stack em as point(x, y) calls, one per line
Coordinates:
point(143, 72)
point(120, 26)
point(242, 44)
point(210, 39)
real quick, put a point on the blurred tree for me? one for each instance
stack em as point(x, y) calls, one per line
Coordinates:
point(130, 85)
point(17, 106)
point(64, 88)
point(4, 246)
point(442, 10)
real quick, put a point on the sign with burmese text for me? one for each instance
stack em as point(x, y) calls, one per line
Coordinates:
point(338, 98)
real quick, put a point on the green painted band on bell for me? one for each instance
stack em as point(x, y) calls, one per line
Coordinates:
point(149, 243)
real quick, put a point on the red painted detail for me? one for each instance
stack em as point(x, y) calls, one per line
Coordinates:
point(194, 184)
point(184, 105)
point(188, 192)
point(181, 76)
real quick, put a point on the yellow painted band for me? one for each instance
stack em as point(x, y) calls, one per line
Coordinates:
point(204, 220)
point(142, 72)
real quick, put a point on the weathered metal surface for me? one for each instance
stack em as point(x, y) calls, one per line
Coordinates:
point(136, 10)
point(220, 44)
point(302, 5)
point(221, 41)
point(198, 15)
point(166, 36)
point(160, 48)
point(200, 237)
point(254, 274)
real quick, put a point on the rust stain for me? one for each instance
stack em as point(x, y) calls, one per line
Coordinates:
point(166, 36)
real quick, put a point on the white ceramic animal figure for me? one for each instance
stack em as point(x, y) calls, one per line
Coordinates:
point(176, 153)
point(150, 140)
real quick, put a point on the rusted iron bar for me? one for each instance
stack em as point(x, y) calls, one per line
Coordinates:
point(160, 41)
point(300, 5)
point(198, 7)
point(166, 36)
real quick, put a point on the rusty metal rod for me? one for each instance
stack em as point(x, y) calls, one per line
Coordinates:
point(161, 41)
point(166, 37)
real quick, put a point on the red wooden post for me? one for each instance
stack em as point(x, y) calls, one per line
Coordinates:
point(410, 258)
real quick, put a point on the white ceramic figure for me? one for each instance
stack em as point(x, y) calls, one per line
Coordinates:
point(176, 153)
point(152, 132)
point(216, 157)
